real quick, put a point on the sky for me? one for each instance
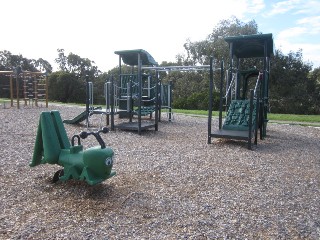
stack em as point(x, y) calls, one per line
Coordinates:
point(95, 29)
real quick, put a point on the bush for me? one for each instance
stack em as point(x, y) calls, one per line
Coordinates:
point(197, 100)
point(66, 87)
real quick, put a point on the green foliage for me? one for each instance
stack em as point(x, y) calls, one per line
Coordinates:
point(66, 87)
point(191, 90)
point(291, 86)
point(197, 100)
point(199, 52)
point(75, 64)
point(9, 61)
point(294, 86)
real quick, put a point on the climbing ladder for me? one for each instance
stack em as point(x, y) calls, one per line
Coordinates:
point(241, 121)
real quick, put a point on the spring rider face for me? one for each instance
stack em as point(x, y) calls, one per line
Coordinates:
point(52, 146)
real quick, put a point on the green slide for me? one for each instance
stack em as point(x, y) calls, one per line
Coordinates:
point(81, 117)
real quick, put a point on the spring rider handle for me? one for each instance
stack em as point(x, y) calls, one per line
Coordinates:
point(84, 135)
point(72, 140)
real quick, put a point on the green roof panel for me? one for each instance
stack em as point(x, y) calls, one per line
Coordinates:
point(130, 57)
point(247, 46)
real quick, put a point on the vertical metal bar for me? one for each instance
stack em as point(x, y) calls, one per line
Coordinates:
point(210, 100)
point(230, 75)
point(46, 86)
point(227, 87)
point(25, 88)
point(160, 95)
point(250, 120)
point(35, 90)
point(149, 87)
point(17, 90)
point(87, 100)
point(107, 98)
point(238, 81)
point(157, 101)
point(170, 99)
point(265, 89)
point(106, 95)
point(11, 90)
point(128, 95)
point(140, 93)
point(256, 119)
point(112, 105)
point(221, 96)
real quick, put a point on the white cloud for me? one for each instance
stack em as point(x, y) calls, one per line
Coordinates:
point(310, 7)
point(255, 6)
point(287, 42)
point(291, 32)
point(283, 7)
point(310, 53)
point(97, 28)
point(312, 23)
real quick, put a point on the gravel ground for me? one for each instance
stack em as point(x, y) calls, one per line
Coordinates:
point(170, 184)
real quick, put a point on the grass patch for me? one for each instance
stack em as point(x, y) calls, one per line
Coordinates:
point(294, 117)
point(271, 116)
point(197, 112)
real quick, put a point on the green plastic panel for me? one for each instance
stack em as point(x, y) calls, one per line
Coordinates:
point(238, 115)
point(248, 46)
point(51, 138)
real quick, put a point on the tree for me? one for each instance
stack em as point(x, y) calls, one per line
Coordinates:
point(292, 88)
point(199, 52)
point(9, 61)
point(75, 64)
point(61, 60)
point(66, 87)
point(191, 89)
point(314, 89)
point(290, 84)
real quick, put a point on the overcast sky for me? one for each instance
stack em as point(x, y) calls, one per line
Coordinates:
point(95, 29)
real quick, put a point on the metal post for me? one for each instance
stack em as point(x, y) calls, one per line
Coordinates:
point(87, 100)
point(11, 90)
point(17, 72)
point(170, 99)
point(250, 119)
point(149, 87)
point(257, 118)
point(46, 82)
point(210, 100)
point(112, 103)
point(156, 104)
point(25, 90)
point(230, 75)
point(238, 81)
point(140, 93)
point(35, 91)
point(107, 98)
point(160, 95)
point(221, 96)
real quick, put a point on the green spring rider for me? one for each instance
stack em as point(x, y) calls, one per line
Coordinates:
point(52, 146)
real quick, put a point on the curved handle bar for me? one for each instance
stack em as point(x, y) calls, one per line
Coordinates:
point(72, 140)
point(84, 135)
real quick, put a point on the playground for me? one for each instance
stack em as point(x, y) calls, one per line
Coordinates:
point(170, 184)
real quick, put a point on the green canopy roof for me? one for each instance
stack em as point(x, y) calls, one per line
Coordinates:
point(247, 46)
point(130, 57)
